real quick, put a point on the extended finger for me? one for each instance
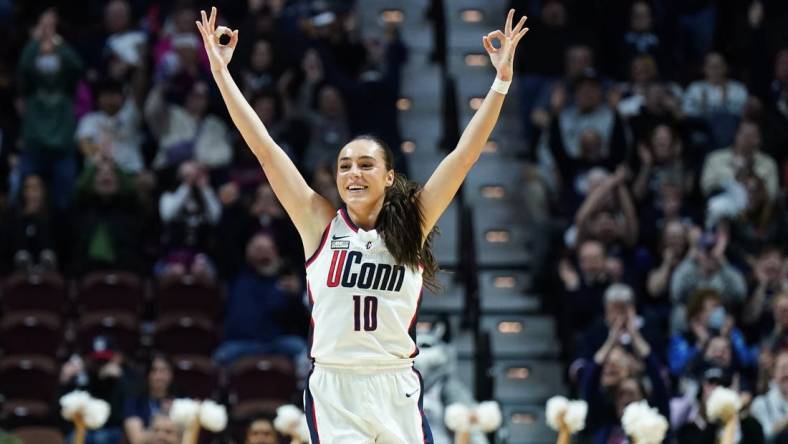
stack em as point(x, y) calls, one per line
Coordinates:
point(233, 39)
point(204, 20)
point(487, 45)
point(201, 29)
point(213, 17)
point(519, 25)
point(509, 18)
point(519, 36)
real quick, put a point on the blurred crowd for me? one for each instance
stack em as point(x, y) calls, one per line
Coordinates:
point(658, 133)
point(117, 156)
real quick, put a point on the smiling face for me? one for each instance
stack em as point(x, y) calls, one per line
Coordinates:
point(363, 174)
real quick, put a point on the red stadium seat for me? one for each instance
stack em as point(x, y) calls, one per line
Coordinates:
point(121, 326)
point(34, 332)
point(39, 435)
point(188, 296)
point(196, 376)
point(43, 292)
point(28, 378)
point(186, 335)
point(116, 291)
point(23, 413)
point(261, 382)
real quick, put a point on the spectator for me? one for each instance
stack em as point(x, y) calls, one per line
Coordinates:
point(619, 305)
point(705, 266)
point(142, 413)
point(106, 234)
point(695, 428)
point(105, 374)
point(177, 26)
point(771, 408)
point(577, 60)
point(187, 131)
point(640, 39)
point(776, 333)
point(743, 156)
point(611, 367)
point(760, 224)
point(114, 129)
point(589, 111)
point(262, 296)
point(661, 158)
point(261, 431)
point(660, 104)
point(48, 73)
point(583, 291)
point(164, 431)
point(716, 100)
point(707, 319)
point(190, 214)
point(608, 214)
point(260, 73)
point(673, 246)
point(29, 235)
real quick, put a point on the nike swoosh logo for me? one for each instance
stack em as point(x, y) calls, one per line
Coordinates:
point(335, 237)
point(408, 395)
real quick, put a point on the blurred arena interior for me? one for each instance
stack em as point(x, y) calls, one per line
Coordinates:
point(622, 237)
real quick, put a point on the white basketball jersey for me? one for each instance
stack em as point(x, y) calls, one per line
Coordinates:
point(363, 303)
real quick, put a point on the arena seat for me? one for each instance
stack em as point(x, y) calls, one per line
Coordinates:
point(527, 381)
point(525, 424)
point(116, 291)
point(188, 296)
point(32, 332)
point(185, 334)
point(26, 413)
point(517, 336)
point(42, 292)
point(39, 435)
point(121, 326)
point(261, 382)
point(28, 378)
point(504, 291)
point(500, 237)
point(494, 180)
point(197, 377)
point(449, 299)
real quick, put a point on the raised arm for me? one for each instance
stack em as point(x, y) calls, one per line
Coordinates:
point(447, 178)
point(309, 211)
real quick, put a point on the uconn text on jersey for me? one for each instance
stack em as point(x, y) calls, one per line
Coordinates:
point(348, 270)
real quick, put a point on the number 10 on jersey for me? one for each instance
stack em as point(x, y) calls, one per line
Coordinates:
point(370, 318)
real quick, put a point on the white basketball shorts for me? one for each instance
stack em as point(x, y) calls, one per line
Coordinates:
point(352, 406)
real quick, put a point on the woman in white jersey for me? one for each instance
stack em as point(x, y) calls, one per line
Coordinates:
point(367, 261)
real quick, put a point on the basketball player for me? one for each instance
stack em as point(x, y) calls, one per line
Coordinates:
point(367, 261)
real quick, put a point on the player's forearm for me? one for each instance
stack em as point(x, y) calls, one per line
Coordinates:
point(479, 128)
point(245, 119)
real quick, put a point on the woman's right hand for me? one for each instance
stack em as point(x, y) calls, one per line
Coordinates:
point(219, 55)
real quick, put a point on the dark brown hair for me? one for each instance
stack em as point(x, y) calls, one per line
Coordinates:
point(401, 220)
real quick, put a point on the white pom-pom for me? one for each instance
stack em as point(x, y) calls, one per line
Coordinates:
point(555, 410)
point(96, 413)
point(302, 431)
point(73, 403)
point(489, 416)
point(575, 416)
point(213, 416)
point(723, 404)
point(457, 418)
point(644, 423)
point(184, 411)
point(287, 419)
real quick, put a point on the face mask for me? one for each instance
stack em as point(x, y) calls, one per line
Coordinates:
point(717, 318)
point(48, 63)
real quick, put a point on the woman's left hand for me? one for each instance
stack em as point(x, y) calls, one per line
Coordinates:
point(502, 57)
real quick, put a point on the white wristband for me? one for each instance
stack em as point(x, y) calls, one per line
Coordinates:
point(501, 86)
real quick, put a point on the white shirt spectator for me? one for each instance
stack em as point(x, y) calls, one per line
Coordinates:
point(121, 133)
point(703, 98)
